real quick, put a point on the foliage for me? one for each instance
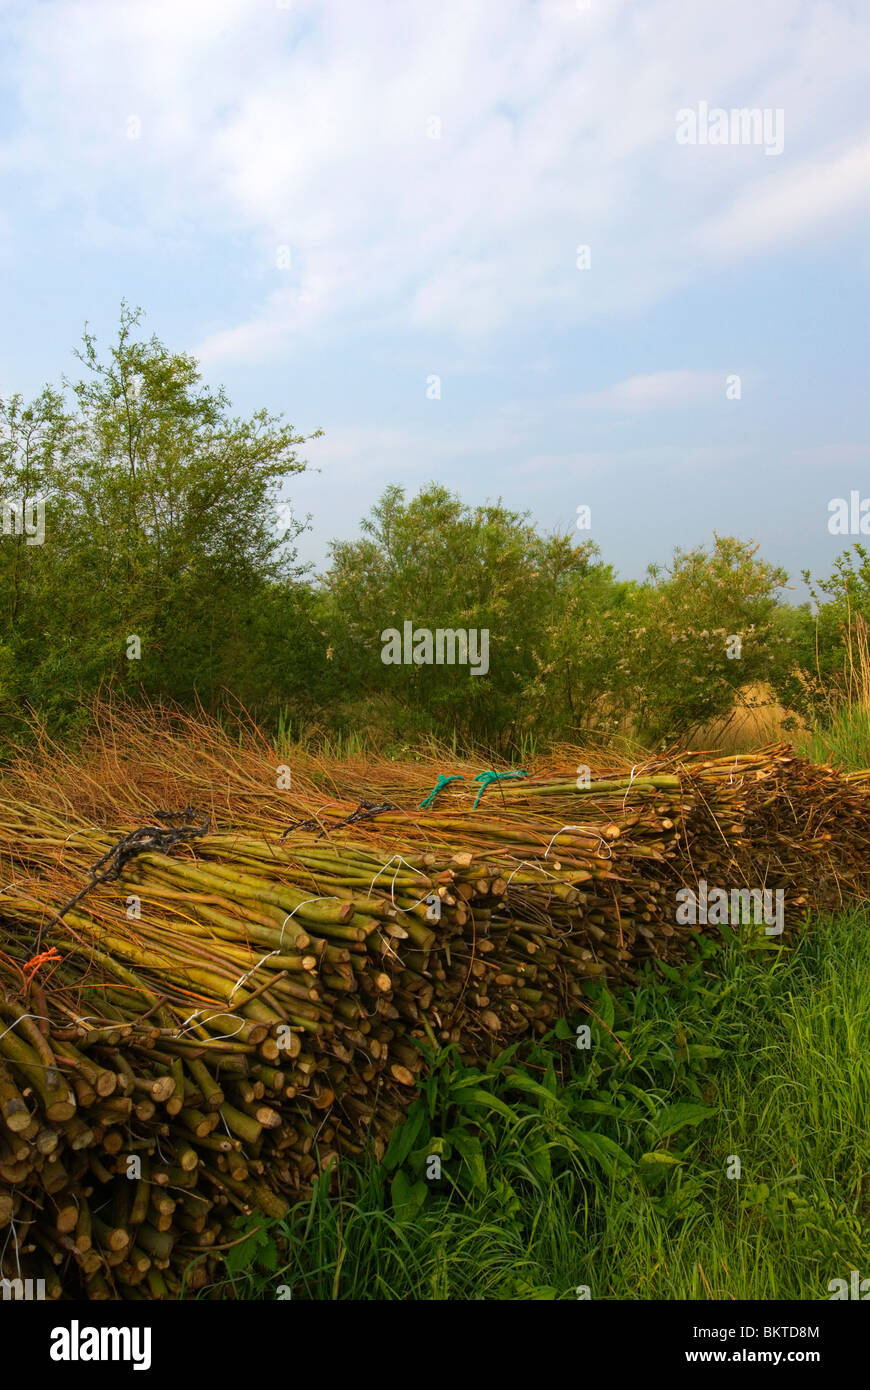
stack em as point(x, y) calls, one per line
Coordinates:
point(655, 656)
point(679, 669)
point(438, 563)
point(160, 523)
point(818, 677)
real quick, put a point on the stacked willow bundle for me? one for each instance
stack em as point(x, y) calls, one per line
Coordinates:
point(236, 1011)
point(207, 1036)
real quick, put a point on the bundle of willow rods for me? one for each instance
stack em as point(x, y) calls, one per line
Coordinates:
point(204, 1034)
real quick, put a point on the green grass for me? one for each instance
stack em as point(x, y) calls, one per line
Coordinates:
point(843, 740)
point(599, 1169)
point(379, 738)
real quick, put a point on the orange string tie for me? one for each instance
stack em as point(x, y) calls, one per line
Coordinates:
point(51, 957)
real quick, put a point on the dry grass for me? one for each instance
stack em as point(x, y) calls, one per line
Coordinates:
point(139, 759)
point(842, 735)
point(757, 719)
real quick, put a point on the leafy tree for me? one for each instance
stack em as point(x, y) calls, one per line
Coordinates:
point(160, 524)
point(578, 651)
point(653, 658)
point(681, 666)
point(438, 563)
point(817, 671)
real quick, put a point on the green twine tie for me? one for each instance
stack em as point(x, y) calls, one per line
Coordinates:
point(439, 786)
point(485, 778)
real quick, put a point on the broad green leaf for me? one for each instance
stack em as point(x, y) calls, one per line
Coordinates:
point(597, 1107)
point(672, 1118)
point(528, 1083)
point(539, 1158)
point(535, 1293)
point(407, 1197)
point(437, 1144)
point(606, 1153)
point(649, 1101)
point(472, 1153)
point(268, 1256)
point(402, 1139)
point(605, 1007)
point(488, 1102)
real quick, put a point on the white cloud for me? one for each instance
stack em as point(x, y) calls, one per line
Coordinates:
point(656, 391)
point(655, 461)
point(790, 204)
point(307, 127)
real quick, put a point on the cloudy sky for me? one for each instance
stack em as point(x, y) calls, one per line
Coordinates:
point(333, 203)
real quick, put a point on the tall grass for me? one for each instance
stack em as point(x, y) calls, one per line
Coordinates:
point(756, 719)
point(842, 733)
point(842, 740)
point(292, 737)
point(607, 1168)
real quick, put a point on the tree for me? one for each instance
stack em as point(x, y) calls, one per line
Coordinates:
point(160, 526)
point(438, 563)
point(821, 666)
point(682, 665)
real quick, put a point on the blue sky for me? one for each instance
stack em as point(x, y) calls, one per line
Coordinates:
point(179, 154)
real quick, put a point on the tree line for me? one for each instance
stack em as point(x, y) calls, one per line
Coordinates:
point(164, 574)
